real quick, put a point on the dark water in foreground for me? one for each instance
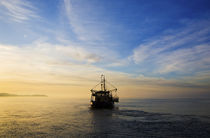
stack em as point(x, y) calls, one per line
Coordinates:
point(50, 117)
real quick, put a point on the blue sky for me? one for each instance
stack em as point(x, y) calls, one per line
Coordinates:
point(139, 39)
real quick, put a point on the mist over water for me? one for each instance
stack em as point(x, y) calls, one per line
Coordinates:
point(56, 117)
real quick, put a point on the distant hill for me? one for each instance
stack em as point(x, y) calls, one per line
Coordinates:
point(16, 95)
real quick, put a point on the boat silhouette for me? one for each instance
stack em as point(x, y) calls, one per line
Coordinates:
point(103, 98)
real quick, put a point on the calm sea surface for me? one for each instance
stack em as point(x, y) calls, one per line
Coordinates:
point(51, 117)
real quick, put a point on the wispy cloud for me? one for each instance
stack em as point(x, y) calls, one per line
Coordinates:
point(85, 22)
point(18, 10)
point(47, 60)
point(44, 63)
point(67, 64)
point(186, 60)
point(184, 50)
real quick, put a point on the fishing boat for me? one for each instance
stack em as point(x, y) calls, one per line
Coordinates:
point(105, 97)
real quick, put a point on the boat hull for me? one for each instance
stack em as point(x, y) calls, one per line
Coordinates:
point(95, 104)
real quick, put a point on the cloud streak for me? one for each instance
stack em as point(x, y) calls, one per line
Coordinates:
point(88, 24)
point(186, 50)
point(18, 10)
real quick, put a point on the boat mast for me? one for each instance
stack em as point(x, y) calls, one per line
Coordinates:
point(103, 87)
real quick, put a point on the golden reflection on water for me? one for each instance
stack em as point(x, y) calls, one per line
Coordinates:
point(42, 117)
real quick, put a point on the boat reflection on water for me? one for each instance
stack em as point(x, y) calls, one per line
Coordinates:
point(104, 122)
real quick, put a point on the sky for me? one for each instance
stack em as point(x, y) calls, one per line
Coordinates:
point(146, 48)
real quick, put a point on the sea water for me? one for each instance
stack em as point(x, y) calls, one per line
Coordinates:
point(59, 117)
